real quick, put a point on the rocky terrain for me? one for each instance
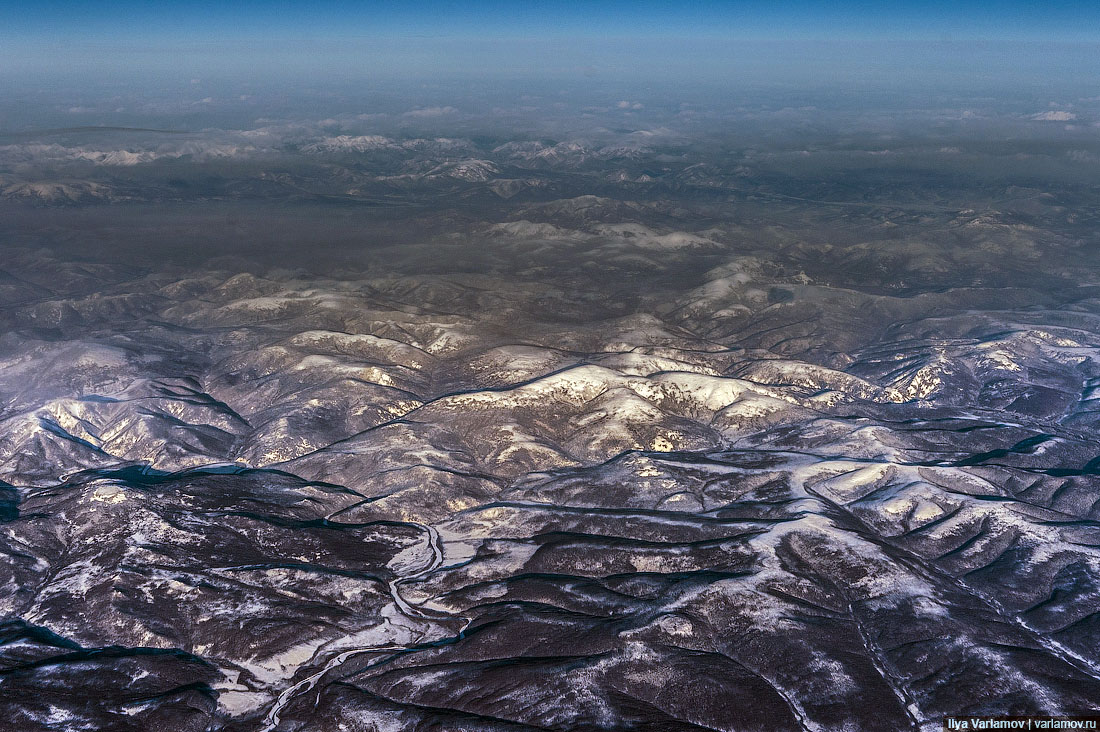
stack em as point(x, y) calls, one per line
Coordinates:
point(370, 432)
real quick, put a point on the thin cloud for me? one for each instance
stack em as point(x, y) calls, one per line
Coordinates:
point(430, 111)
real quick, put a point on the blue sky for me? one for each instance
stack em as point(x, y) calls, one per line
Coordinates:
point(81, 39)
point(749, 19)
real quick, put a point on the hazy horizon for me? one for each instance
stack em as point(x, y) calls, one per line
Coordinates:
point(966, 46)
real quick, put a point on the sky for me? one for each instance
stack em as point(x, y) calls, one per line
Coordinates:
point(186, 20)
point(94, 41)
